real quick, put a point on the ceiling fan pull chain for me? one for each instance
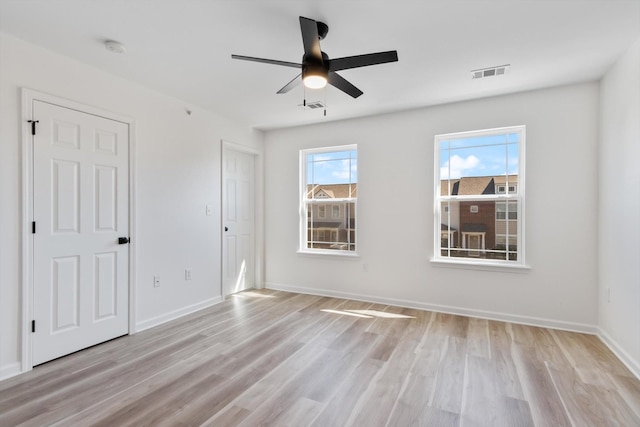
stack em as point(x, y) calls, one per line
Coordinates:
point(325, 100)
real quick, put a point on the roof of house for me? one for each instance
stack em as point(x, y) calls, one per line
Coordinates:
point(474, 185)
point(502, 179)
point(334, 191)
point(473, 228)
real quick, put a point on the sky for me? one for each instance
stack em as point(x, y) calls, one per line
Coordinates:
point(479, 156)
point(490, 155)
point(340, 167)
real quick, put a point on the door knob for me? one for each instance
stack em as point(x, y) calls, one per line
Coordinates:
point(226, 229)
point(123, 240)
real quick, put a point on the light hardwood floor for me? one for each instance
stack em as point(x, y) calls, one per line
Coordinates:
point(275, 358)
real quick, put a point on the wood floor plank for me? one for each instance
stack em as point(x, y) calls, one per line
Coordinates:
point(316, 336)
point(501, 341)
point(478, 341)
point(447, 394)
point(538, 389)
point(485, 402)
point(582, 405)
point(629, 389)
point(339, 408)
point(301, 413)
point(273, 358)
point(102, 408)
point(211, 401)
point(379, 399)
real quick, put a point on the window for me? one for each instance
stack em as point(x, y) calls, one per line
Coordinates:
point(479, 196)
point(504, 210)
point(501, 189)
point(335, 211)
point(329, 187)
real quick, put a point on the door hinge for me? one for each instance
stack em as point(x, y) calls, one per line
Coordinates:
point(33, 126)
point(33, 227)
point(33, 326)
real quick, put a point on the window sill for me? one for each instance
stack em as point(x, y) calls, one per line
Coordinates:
point(330, 254)
point(481, 265)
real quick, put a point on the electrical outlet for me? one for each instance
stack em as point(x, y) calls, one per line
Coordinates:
point(187, 274)
point(365, 267)
point(608, 294)
point(156, 281)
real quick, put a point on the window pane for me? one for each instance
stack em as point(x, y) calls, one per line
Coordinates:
point(337, 233)
point(484, 161)
point(338, 167)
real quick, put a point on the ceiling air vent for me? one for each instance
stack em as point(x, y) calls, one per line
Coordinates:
point(489, 72)
point(312, 105)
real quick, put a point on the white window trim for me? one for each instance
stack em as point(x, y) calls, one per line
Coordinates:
point(302, 245)
point(437, 258)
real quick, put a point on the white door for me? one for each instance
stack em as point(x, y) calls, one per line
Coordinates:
point(238, 240)
point(80, 209)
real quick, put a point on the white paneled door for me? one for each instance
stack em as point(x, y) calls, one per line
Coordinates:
point(238, 240)
point(80, 210)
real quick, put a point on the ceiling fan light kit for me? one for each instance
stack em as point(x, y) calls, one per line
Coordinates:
point(316, 68)
point(314, 81)
point(314, 77)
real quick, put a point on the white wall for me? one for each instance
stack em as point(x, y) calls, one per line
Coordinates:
point(177, 161)
point(619, 255)
point(395, 211)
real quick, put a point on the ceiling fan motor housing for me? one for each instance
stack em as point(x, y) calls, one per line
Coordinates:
point(312, 67)
point(323, 29)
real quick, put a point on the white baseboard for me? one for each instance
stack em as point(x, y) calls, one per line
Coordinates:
point(158, 320)
point(490, 315)
point(10, 370)
point(632, 364)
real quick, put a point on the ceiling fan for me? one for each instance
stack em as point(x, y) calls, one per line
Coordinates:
point(317, 68)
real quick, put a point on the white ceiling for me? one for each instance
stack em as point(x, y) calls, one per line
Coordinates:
point(183, 48)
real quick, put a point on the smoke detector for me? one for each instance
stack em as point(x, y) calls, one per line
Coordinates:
point(114, 47)
point(490, 72)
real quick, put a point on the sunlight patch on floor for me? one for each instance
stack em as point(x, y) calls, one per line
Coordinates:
point(369, 314)
point(346, 313)
point(383, 314)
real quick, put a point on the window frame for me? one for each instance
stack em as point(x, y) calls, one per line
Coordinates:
point(518, 197)
point(304, 203)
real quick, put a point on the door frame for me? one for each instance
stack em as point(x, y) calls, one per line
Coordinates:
point(258, 214)
point(28, 97)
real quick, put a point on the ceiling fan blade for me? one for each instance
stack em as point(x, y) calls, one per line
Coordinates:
point(362, 60)
point(341, 83)
point(293, 83)
point(267, 61)
point(310, 39)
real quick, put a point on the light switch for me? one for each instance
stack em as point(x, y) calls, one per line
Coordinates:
point(209, 210)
